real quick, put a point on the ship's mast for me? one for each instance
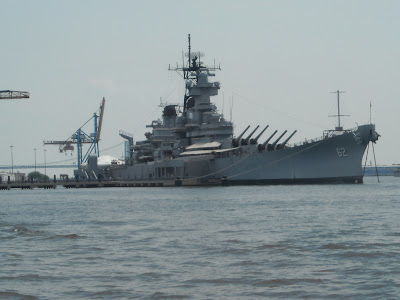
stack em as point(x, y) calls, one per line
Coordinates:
point(338, 110)
point(187, 73)
point(193, 69)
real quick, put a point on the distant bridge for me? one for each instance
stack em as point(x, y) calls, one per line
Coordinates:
point(15, 167)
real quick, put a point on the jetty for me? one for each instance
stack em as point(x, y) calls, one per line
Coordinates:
point(78, 184)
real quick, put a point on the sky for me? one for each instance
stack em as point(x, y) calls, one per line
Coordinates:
point(280, 61)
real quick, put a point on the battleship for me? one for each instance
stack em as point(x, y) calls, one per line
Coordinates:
point(193, 144)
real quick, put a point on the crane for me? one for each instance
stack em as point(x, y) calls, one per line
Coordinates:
point(79, 137)
point(7, 94)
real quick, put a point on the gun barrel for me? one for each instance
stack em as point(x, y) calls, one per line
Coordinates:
point(254, 141)
point(290, 136)
point(240, 136)
point(246, 140)
point(235, 142)
point(249, 136)
point(277, 140)
point(268, 139)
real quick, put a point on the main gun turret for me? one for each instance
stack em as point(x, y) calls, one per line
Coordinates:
point(271, 147)
point(261, 147)
point(281, 146)
point(246, 140)
point(254, 141)
point(235, 142)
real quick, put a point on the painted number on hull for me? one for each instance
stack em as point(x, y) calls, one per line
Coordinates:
point(341, 152)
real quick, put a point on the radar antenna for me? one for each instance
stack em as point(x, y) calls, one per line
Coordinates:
point(194, 64)
point(193, 70)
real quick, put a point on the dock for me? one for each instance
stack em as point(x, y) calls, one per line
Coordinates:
point(79, 184)
point(28, 185)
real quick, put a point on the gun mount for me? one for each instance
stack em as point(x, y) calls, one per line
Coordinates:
point(272, 146)
point(254, 141)
point(246, 140)
point(235, 142)
point(281, 146)
point(262, 146)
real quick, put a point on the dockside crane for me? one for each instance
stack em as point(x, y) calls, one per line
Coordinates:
point(7, 94)
point(79, 137)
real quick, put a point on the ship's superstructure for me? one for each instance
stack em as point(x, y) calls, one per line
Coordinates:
point(194, 145)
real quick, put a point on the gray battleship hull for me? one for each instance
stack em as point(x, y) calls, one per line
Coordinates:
point(336, 159)
point(194, 144)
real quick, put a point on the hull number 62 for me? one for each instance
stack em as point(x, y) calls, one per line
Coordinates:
point(341, 152)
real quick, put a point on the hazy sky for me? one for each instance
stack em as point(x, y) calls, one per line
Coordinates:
point(280, 60)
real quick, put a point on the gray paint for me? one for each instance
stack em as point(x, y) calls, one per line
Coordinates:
point(337, 156)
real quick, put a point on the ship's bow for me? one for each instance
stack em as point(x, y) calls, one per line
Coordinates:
point(366, 133)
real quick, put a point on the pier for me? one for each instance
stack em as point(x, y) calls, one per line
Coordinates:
point(79, 184)
point(27, 185)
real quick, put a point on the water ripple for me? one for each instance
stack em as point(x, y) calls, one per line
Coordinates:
point(160, 295)
point(267, 242)
point(287, 281)
point(16, 296)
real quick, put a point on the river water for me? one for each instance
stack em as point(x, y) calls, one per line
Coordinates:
point(274, 242)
